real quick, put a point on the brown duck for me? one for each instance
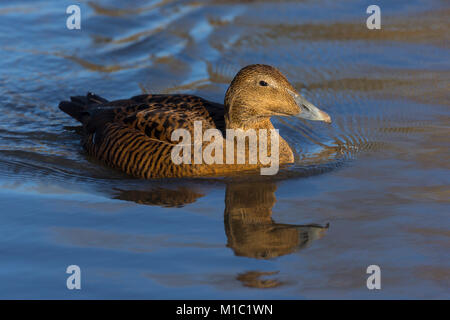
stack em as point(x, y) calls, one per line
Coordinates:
point(134, 135)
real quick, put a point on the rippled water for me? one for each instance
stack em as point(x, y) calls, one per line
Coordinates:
point(372, 188)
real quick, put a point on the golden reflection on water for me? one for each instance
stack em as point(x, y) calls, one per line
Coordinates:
point(251, 232)
point(250, 229)
point(258, 279)
point(115, 12)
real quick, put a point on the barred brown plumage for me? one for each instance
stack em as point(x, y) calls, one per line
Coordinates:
point(134, 135)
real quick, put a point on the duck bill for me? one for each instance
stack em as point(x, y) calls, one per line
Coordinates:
point(309, 111)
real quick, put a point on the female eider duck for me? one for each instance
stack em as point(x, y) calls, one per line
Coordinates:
point(135, 135)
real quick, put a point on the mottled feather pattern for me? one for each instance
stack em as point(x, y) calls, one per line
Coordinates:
point(134, 135)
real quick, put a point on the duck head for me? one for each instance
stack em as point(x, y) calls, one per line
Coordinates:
point(259, 91)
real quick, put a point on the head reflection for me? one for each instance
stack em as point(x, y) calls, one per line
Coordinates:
point(249, 227)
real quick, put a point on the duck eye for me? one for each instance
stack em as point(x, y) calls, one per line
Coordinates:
point(263, 83)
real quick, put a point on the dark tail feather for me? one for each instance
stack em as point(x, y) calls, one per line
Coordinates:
point(78, 106)
point(75, 110)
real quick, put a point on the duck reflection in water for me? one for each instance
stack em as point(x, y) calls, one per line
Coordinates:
point(249, 226)
point(250, 230)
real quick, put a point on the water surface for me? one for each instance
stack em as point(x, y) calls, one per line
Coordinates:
point(372, 188)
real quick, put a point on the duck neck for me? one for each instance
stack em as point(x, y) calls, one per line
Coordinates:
point(286, 153)
point(245, 122)
point(239, 116)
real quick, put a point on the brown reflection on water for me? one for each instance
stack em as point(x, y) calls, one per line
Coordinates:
point(251, 232)
point(161, 196)
point(115, 12)
point(429, 27)
point(253, 279)
point(250, 229)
